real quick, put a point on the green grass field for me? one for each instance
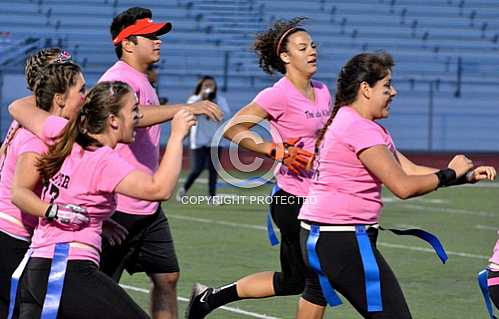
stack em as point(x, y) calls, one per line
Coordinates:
point(217, 245)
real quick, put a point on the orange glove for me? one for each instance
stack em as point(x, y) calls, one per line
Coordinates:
point(293, 157)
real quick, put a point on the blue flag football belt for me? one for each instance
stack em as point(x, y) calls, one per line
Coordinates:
point(482, 283)
point(270, 228)
point(371, 270)
point(55, 282)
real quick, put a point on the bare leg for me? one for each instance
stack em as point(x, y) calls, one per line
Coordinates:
point(257, 285)
point(164, 295)
point(308, 310)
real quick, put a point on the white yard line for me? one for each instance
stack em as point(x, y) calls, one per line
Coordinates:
point(391, 199)
point(487, 227)
point(231, 309)
point(219, 222)
point(406, 226)
point(448, 210)
point(430, 250)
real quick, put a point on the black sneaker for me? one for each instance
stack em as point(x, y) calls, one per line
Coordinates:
point(198, 306)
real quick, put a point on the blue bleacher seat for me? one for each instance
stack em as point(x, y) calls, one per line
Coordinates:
point(426, 37)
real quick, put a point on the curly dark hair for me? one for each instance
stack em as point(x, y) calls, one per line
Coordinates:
point(266, 43)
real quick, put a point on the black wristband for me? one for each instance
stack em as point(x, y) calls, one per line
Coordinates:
point(465, 179)
point(272, 153)
point(446, 177)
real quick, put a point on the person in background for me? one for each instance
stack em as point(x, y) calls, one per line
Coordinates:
point(201, 135)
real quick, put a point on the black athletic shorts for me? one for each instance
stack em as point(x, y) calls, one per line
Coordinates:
point(284, 209)
point(13, 251)
point(340, 260)
point(494, 290)
point(148, 247)
point(87, 293)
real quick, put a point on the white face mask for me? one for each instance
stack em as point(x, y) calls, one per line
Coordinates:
point(207, 91)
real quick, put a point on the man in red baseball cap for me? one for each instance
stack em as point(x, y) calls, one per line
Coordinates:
point(136, 37)
point(143, 26)
point(148, 246)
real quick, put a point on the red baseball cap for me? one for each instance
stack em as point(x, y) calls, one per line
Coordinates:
point(141, 27)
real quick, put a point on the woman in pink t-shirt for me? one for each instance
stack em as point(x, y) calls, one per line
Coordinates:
point(82, 168)
point(17, 227)
point(297, 107)
point(355, 156)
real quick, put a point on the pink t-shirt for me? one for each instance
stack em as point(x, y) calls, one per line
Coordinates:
point(12, 220)
point(343, 191)
point(144, 152)
point(495, 255)
point(87, 179)
point(293, 115)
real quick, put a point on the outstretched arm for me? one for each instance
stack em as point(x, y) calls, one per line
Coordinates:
point(238, 130)
point(25, 112)
point(411, 168)
point(152, 115)
point(161, 185)
point(476, 174)
point(382, 163)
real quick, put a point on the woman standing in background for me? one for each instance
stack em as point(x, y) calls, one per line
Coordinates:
point(201, 135)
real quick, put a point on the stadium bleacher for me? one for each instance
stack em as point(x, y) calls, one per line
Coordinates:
point(432, 41)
